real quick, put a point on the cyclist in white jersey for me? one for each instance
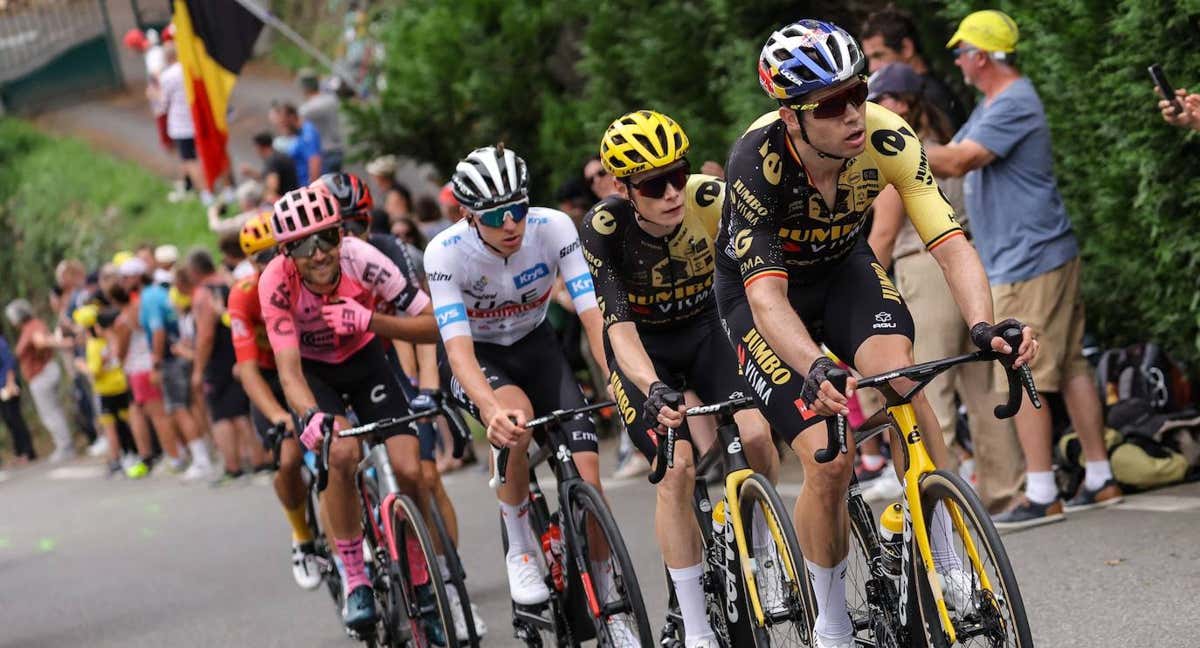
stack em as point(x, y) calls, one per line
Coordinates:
point(491, 277)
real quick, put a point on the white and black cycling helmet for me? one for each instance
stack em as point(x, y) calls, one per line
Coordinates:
point(806, 56)
point(489, 177)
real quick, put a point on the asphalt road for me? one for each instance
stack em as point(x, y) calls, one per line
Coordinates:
point(87, 561)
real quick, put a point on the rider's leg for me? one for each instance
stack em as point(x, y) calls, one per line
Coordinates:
point(679, 540)
point(289, 488)
point(342, 505)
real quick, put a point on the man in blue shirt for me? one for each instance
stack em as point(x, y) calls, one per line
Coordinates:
point(10, 406)
point(299, 140)
point(1030, 254)
point(160, 322)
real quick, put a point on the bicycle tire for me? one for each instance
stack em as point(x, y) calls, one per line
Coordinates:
point(586, 500)
point(945, 486)
point(757, 493)
point(458, 574)
point(877, 626)
point(406, 519)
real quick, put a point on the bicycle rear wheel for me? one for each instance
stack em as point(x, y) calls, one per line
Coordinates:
point(419, 578)
point(992, 617)
point(610, 584)
point(781, 580)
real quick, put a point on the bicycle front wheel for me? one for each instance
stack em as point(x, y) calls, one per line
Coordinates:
point(417, 574)
point(610, 584)
point(781, 582)
point(458, 575)
point(977, 578)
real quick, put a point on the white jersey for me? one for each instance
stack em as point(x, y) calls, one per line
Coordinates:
point(477, 292)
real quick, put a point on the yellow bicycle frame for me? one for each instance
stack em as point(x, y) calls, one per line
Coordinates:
point(919, 464)
point(733, 512)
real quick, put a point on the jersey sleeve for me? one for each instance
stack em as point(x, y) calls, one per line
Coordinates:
point(601, 250)
point(448, 306)
point(276, 295)
point(901, 159)
point(705, 198)
point(754, 205)
point(376, 272)
point(563, 236)
point(151, 310)
point(243, 299)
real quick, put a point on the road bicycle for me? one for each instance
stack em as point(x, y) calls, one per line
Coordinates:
point(587, 568)
point(895, 593)
point(752, 600)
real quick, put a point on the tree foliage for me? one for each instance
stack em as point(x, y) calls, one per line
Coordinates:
point(547, 77)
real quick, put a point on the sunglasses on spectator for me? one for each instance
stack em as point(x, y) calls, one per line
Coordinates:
point(964, 49)
point(494, 217)
point(599, 174)
point(325, 240)
point(834, 105)
point(656, 187)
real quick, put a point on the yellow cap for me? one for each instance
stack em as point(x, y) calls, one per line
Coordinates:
point(121, 257)
point(86, 315)
point(178, 299)
point(989, 30)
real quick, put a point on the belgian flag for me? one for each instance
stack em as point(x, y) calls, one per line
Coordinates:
point(214, 39)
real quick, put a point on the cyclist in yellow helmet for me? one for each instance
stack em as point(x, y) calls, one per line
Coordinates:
point(651, 249)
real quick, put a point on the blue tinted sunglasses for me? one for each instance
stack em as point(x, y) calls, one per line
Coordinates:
point(494, 217)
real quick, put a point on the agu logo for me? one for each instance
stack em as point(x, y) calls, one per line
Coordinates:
point(526, 277)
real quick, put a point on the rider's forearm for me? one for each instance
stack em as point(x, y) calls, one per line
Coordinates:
point(780, 325)
point(631, 355)
point(968, 282)
point(259, 391)
point(427, 366)
point(291, 376)
point(417, 328)
point(461, 352)
point(593, 324)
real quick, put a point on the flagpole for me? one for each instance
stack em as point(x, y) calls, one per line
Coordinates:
point(265, 15)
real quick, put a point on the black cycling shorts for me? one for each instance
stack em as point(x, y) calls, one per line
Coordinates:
point(841, 308)
point(262, 425)
point(536, 364)
point(115, 407)
point(364, 381)
point(226, 400)
point(696, 357)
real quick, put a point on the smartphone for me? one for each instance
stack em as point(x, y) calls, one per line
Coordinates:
point(1164, 86)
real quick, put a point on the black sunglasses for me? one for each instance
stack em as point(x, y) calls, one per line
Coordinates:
point(599, 174)
point(834, 105)
point(657, 186)
point(326, 240)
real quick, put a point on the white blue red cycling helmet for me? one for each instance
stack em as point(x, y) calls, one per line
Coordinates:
point(806, 56)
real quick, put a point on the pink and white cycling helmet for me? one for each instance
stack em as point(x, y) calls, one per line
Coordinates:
point(301, 212)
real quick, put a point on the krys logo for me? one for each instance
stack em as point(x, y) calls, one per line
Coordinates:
point(531, 275)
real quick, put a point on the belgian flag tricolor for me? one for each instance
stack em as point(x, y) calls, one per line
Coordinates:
point(214, 39)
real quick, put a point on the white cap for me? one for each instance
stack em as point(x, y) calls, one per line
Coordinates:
point(163, 276)
point(382, 166)
point(166, 254)
point(133, 267)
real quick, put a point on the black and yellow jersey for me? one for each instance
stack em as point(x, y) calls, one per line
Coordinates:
point(656, 282)
point(776, 223)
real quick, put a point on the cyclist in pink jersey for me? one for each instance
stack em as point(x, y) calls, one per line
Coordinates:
point(319, 302)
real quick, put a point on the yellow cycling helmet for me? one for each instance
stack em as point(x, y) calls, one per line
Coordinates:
point(86, 315)
point(641, 140)
point(256, 234)
point(121, 257)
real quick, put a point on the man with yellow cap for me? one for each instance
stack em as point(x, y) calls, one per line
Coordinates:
point(1030, 255)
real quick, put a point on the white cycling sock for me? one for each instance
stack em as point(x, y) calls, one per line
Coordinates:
point(1040, 487)
point(199, 450)
point(872, 461)
point(516, 523)
point(941, 540)
point(1098, 473)
point(690, 595)
point(829, 584)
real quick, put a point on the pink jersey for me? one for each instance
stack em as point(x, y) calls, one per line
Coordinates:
point(292, 312)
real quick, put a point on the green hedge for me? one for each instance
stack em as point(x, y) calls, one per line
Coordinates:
point(547, 79)
point(60, 198)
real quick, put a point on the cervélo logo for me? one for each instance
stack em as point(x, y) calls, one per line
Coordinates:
point(526, 277)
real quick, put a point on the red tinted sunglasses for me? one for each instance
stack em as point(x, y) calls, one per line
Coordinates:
point(657, 186)
point(834, 105)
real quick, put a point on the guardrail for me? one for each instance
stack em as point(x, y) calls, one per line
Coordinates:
point(35, 32)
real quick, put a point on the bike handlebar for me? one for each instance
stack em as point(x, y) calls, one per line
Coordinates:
point(1018, 380)
point(664, 444)
point(557, 417)
point(665, 451)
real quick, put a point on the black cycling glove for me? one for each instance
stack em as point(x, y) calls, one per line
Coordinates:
point(657, 399)
point(424, 401)
point(817, 374)
point(982, 334)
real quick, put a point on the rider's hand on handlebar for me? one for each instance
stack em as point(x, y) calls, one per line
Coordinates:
point(286, 421)
point(657, 409)
point(820, 395)
point(314, 430)
point(505, 427)
point(987, 338)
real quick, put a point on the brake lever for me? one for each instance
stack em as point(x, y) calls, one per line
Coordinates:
point(665, 451)
point(1017, 378)
point(323, 460)
point(835, 434)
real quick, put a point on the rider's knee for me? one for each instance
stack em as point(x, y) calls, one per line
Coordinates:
point(829, 480)
point(756, 434)
point(344, 456)
point(678, 481)
point(290, 457)
point(408, 472)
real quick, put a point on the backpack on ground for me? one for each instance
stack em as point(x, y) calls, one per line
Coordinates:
point(1143, 371)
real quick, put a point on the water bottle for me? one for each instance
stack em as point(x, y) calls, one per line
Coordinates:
point(552, 547)
point(718, 520)
point(891, 539)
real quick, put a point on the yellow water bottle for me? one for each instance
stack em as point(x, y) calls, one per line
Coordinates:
point(891, 538)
